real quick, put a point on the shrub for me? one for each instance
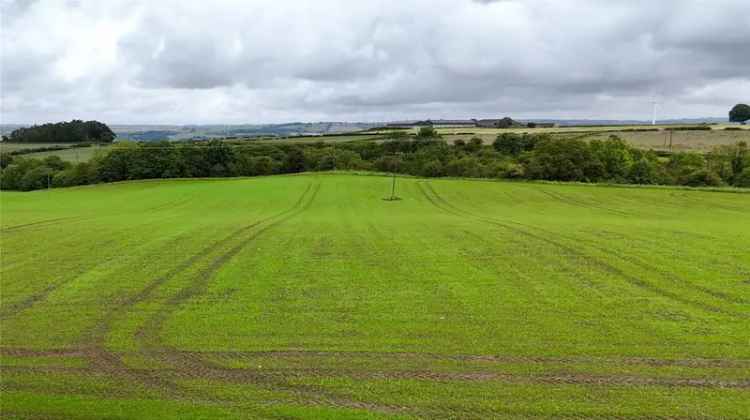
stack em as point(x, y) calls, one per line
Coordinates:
point(466, 166)
point(703, 177)
point(690, 128)
point(643, 171)
point(743, 179)
point(432, 169)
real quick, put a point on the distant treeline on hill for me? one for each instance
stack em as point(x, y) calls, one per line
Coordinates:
point(511, 156)
point(75, 131)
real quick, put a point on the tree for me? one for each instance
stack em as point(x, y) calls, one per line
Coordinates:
point(615, 156)
point(740, 113)
point(5, 159)
point(295, 160)
point(561, 160)
point(474, 145)
point(428, 132)
point(75, 131)
point(513, 144)
point(509, 144)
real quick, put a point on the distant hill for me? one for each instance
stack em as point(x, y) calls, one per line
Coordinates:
point(199, 132)
point(154, 132)
point(567, 122)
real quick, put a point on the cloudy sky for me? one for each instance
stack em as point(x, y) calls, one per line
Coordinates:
point(252, 61)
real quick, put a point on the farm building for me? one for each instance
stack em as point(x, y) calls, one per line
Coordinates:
point(448, 123)
point(402, 124)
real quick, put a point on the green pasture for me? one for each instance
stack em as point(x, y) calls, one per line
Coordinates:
point(309, 296)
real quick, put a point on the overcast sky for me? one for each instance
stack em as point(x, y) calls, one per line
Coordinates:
point(253, 61)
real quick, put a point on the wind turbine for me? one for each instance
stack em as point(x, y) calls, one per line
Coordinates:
point(654, 103)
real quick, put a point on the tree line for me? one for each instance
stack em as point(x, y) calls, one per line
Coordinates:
point(511, 156)
point(75, 131)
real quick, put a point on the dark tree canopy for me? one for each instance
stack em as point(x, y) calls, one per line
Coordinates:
point(75, 131)
point(740, 113)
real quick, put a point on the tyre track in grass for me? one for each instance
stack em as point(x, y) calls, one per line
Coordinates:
point(246, 356)
point(638, 262)
point(148, 335)
point(582, 204)
point(292, 382)
point(445, 206)
point(278, 379)
point(13, 309)
point(111, 362)
point(41, 223)
point(194, 365)
point(199, 368)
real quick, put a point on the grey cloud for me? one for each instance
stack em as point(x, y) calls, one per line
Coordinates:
point(266, 60)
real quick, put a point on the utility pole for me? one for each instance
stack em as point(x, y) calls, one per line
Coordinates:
point(393, 187)
point(333, 154)
point(393, 196)
point(671, 133)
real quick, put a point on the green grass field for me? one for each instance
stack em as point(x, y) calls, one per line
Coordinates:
point(310, 296)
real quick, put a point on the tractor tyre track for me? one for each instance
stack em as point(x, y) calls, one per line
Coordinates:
point(444, 205)
point(111, 362)
point(635, 261)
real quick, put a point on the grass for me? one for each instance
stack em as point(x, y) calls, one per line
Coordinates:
point(310, 296)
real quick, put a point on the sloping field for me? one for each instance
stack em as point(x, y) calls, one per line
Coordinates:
point(309, 296)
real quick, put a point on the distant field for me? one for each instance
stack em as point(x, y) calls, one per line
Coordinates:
point(574, 129)
point(682, 140)
point(326, 139)
point(658, 140)
point(12, 147)
point(311, 297)
point(76, 154)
